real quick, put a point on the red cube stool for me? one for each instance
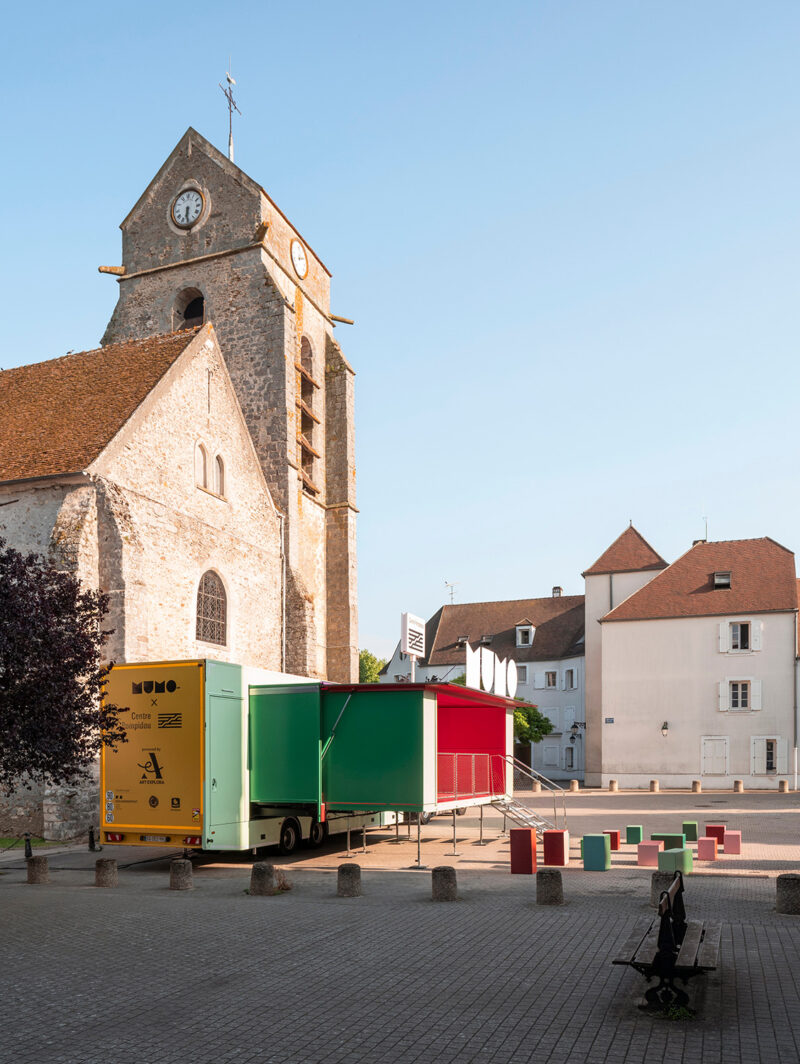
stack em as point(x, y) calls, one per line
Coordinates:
point(647, 853)
point(718, 831)
point(614, 839)
point(733, 842)
point(707, 848)
point(523, 851)
point(556, 847)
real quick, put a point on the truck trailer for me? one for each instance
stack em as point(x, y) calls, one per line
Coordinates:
point(223, 757)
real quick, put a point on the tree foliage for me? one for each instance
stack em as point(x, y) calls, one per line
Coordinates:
point(369, 667)
point(530, 726)
point(52, 722)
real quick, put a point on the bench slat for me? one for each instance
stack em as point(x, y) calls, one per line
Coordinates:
point(687, 955)
point(646, 953)
point(633, 941)
point(708, 954)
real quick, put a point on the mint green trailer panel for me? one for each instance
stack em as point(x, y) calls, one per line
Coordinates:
point(284, 751)
point(375, 758)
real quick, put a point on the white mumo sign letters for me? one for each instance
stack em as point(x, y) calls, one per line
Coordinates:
point(486, 672)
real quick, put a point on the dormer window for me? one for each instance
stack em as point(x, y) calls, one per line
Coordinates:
point(461, 641)
point(486, 640)
point(525, 635)
point(722, 579)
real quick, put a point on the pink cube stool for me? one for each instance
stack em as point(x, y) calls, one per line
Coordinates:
point(647, 853)
point(733, 842)
point(556, 847)
point(707, 848)
point(718, 831)
point(614, 839)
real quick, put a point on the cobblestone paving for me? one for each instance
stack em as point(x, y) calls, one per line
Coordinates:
point(141, 974)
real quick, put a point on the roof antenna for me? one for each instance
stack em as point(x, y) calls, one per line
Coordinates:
point(452, 589)
point(228, 94)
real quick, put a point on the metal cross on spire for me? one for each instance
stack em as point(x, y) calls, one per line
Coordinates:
point(228, 94)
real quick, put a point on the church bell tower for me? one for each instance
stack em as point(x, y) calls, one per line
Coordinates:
point(206, 243)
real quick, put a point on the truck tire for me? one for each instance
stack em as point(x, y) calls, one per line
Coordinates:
point(289, 837)
point(317, 834)
point(461, 811)
point(425, 818)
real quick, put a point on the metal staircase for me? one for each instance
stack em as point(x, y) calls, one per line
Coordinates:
point(522, 814)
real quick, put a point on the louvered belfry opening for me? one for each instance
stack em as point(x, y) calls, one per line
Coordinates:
point(212, 610)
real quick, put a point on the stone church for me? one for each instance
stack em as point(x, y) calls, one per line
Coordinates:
point(199, 465)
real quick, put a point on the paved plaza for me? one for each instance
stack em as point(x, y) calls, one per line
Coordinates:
point(143, 974)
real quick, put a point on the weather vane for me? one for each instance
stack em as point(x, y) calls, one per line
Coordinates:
point(228, 94)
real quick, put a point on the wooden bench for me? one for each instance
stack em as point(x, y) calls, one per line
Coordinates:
point(670, 947)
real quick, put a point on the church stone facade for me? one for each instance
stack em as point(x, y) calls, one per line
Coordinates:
point(242, 266)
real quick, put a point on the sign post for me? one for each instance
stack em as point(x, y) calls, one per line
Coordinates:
point(412, 640)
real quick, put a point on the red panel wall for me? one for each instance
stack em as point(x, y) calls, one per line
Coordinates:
point(465, 726)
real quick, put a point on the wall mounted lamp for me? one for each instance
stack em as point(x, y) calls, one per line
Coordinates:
point(664, 729)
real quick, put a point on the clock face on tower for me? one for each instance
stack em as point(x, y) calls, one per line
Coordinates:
point(299, 260)
point(187, 208)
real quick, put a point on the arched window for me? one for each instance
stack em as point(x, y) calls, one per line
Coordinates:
point(200, 466)
point(212, 609)
point(309, 418)
point(190, 309)
point(219, 475)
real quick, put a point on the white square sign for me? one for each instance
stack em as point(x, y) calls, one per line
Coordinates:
point(412, 635)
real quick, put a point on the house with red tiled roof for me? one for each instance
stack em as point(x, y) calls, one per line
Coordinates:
point(691, 667)
point(543, 637)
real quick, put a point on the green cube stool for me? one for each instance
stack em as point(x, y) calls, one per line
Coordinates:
point(670, 839)
point(596, 853)
point(633, 834)
point(689, 828)
point(675, 861)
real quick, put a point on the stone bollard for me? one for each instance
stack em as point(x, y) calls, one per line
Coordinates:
point(549, 888)
point(443, 884)
point(613, 785)
point(38, 871)
point(106, 873)
point(788, 894)
point(783, 786)
point(180, 874)
point(654, 786)
point(536, 787)
point(697, 787)
point(574, 785)
point(262, 878)
point(738, 786)
point(348, 882)
point(659, 882)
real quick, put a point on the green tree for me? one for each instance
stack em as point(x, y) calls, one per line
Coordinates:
point(369, 667)
point(530, 726)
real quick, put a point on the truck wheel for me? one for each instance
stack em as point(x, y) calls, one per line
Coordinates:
point(425, 818)
point(289, 837)
point(461, 811)
point(317, 834)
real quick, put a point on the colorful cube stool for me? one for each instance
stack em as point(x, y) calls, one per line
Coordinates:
point(596, 853)
point(675, 861)
point(718, 831)
point(614, 836)
point(707, 848)
point(523, 850)
point(556, 847)
point(733, 842)
point(647, 854)
point(671, 840)
point(633, 834)
point(689, 829)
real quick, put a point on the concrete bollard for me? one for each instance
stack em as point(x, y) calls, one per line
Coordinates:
point(348, 882)
point(787, 899)
point(654, 786)
point(613, 785)
point(738, 786)
point(783, 786)
point(536, 787)
point(180, 874)
point(549, 888)
point(106, 873)
point(659, 882)
point(574, 785)
point(262, 879)
point(443, 884)
point(38, 870)
point(697, 787)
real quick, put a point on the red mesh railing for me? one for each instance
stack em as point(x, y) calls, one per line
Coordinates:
point(469, 776)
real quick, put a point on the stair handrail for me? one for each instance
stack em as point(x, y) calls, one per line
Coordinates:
point(548, 784)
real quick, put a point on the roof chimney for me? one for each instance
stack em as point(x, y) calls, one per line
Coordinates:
point(557, 592)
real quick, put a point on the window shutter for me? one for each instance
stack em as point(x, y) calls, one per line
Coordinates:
point(538, 681)
point(563, 679)
point(755, 694)
point(723, 638)
point(723, 696)
point(755, 635)
point(782, 757)
point(569, 717)
point(759, 757)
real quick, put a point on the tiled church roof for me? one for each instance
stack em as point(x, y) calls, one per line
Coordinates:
point(56, 417)
point(629, 553)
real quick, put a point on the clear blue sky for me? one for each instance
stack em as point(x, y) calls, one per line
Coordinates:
point(568, 233)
